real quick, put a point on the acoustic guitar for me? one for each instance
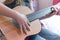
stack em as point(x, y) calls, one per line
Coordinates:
point(12, 33)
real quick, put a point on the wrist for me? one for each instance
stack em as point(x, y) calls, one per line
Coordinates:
point(19, 16)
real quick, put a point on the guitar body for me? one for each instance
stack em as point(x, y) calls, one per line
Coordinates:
point(23, 9)
point(11, 32)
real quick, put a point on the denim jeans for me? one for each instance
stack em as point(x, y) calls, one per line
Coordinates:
point(48, 35)
point(44, 35)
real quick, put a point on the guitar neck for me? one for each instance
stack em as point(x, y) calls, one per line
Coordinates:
point(38, 14)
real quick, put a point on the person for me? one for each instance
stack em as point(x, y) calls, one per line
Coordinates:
point(50, 28)
point(46, 34)
point(20, 18)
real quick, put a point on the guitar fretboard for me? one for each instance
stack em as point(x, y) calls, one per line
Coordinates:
point(38, 14)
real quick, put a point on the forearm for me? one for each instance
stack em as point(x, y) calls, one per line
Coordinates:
point(7, 11)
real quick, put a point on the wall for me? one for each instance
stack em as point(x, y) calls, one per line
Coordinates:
point(45, 3)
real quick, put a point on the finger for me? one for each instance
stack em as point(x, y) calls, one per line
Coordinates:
point(24, 29)
point(27, 26)
point(28, 23)
point(56, 9)
point(20, 28)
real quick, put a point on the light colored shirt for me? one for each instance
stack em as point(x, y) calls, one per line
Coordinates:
point(52, 24)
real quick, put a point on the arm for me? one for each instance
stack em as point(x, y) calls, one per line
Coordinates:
point(7, 11)
point(54, 11)
point(20, 18)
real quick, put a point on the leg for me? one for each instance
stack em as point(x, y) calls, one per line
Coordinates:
point(48, 35)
